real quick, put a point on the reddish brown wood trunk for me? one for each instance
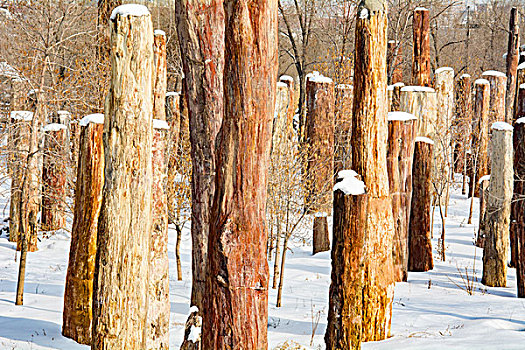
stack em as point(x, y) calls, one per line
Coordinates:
point(78, 296)
point(173, 118)
point(321, 236)
point(200, 29)
point(480, 136)
point(292, 105)
point(419, 233)
point(344, 99)
point(54, 177)
point(462, 121)
point(236, 295)
point(394, 62)
point(518, 203)
point(513, 53)
point(421, 54)
point(160, 75)
point(395, 101)
point(401, 135)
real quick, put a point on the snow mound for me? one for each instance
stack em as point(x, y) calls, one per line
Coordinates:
point(417, 89)
point(502, 126)
point(484, 178)
point(286, 78)
point(520, 120)
point(481, 82)
point(443, 69)
point(493, 73)
point(160, 124)
point(22, 115)
point(424, 139)
point(420, 9)
point(129, 10)
point(402, 116)
point(159, 32)
point(54, 127)
point(97, 118)
point(193, 309)
point(349, 184)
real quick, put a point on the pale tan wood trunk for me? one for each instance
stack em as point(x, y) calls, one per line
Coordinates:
point(498, 88)
point(121, 281)
point(497, 220)
point(395, 98)
point(421, 47)
point(462, 125)
point(78, 295)
point(422, 103)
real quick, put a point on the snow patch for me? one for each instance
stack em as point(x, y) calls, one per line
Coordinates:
point(195, 334)
point(344, 86)
point(493, 73)
point(481, 82)
point(349, 184)
point(321, 214)
point(522, 86)
point(502, 126)
point(424, 139)
point(97, 118)
point(390, 88)
point(420, 9)
point(286, 78)
point(160, 124)
point(129, 10)
point(520, 120)
point(418, 89)
point(321, 79)
point(363, 14)
point(172, 93)
point(465, 76)
point(402, 116)
point(282, 85)
point(443, 69)
point(484, 178)
point(522, 65)
point(22, 115)
point(159, 32)
point(193, 309)
point(400, 84)
point(54, 127)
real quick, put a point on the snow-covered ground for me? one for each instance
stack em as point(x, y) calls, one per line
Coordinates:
point(431, 311)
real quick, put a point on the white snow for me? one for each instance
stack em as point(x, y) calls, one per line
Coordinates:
point(160, 124)
point(172, 93)
point(159, 32)
point(400, 84)
point(521, 65)
point(522, 86)
point(443, 69)
point(344, 86)
point(349, 184)
point(320, 79)
point(63, 113)
point(520, 120)
point(311, 75)
point(390, 88)
point(494, 73)
point(418, 89)
point(501, 126)
point(22, 115)
point(420, 9)
point(321, 214)
point(286, 78)
point(54, 127)
point(402, 116)
point(129, 10)
point(484, 178)
point(195, 334)
point(424, 139)
point(465, 76)
point(281, 84)
point(97, 118)
point(364, 13)
point(193, 309)
point(481, 82)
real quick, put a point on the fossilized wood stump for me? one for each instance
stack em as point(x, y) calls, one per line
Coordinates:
point(518, 202)
point(344, 99)
point(512, 61)
point(421, 47)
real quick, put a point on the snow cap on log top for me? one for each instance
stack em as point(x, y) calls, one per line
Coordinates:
point(286, 78)
point(159, 32)
point(160, 124)
point(522, 65)
point(320, 79)
point(401, 116)
point(501, 126)
point(172, 93)
point(424, 139)
point(444, 69)
point(418, 89)
point(494, 73)
point(400, 84)
point(349, 184)
point(522, 86)
point(465, 75)
point(520, 120)
point(129, 10)
point(63, 112)
point(22, 115)
point(282, 85)
point(481, 82)
point(97, 118)
point(54, 127)
point(420, 9)
point(369, 7)
point(484, 178)
point(393, 41)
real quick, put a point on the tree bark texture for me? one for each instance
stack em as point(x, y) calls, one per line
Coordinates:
point(344, 99)
point(159, 296)
point(463, 120)
point(78, 295)
point(394, 62)
point(200, 27)
point(344, 329)
point(421, 53)
point(419, 233)
point(121, 280)
point(105, 7)
point(160, 75)
point(498, 88)
point(369, 146)
point(422, 103)
point(54, 177)
point(483, 196)
point(512, 61)
point(173, 118)
point(497, 221)
point(480, 136)
point(236, 295)
point(518, 204)
point(395, 98)
point(292, 104)
point(321, 235)
point(401, 135)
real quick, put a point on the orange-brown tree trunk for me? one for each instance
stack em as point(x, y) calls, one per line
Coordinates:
point(463, 125)
point(421, 53)
point(394, 62)
point(236, 295)
point(173, 118)
point(344, 99)
point(513, 55)
point(498, 88)
point(518, 203)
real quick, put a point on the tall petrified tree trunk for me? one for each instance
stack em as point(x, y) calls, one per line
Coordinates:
point(159, 296)
point(421, 53)
point(419, 233)
point(497, 221)
point(518, 202)
point(344, 99)
point(513, 55)
point(344, 330)
point(369, 139)
point(480, 136)
point(498, 88)
point(422, 103)
point(54, 177)
point(463, 125)
point(78, 295)
point(395, 101)
point(401, 134)
point(320, 142)
point(292, 104)
point(236, 295)
point(484, 184)
point(160, 75)
point(200, 27)
point(121, 279)
point(394, 61)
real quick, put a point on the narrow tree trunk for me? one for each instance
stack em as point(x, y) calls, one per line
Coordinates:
point(394, 62)
point(483, 196)
point(236, 295)
point(463, 125)
point(513, 53)
point(395, 102)
point(54, 177)
point(344, 99)
point(498, 88)
point(401, 135)
point(174, 142)
point(421, 53)
point(276, 273)
point(78, 295)
point(200, 27)
point(495, 248)
point(177, 252)
point(480, 135)
point(292, 104)
point(121, 279)
point(369, 141)
point(281, 275)
point(518, 202)
point(320, 129)
point(159, 296)
point(160, 75)
point(104, 11)
point(419, 233)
